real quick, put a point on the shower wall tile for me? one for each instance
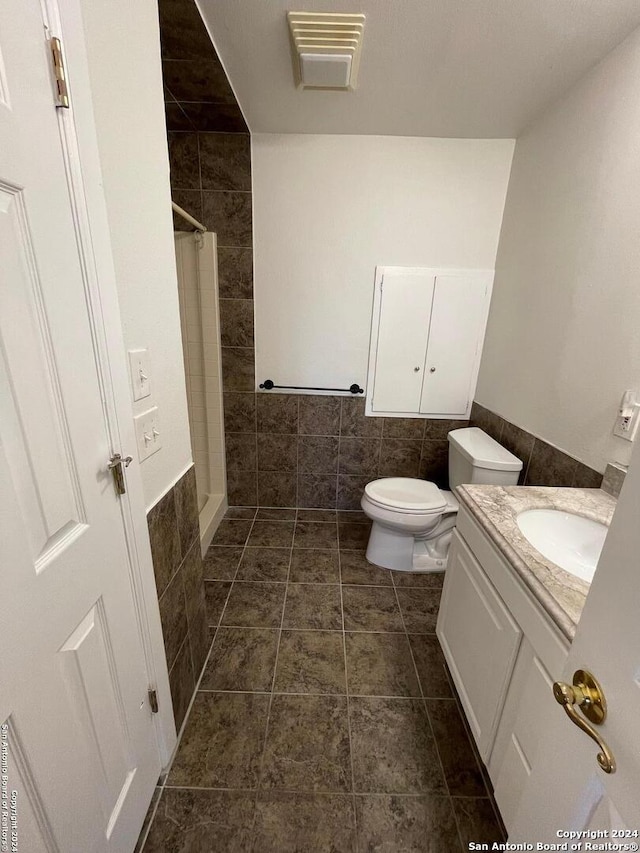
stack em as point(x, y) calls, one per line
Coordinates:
point(239, 411)
point(353, 421)
point(319, 415)
point(317, 491)
point(184, 161)
point(318, 454)
point(229, 215)
point(197, 81)
point(400, 457)
point(215, 117)
point(189, 200)
point(277, 452)
point(242, 488)
point(225, 161)
point(236, 322)
point(238, 369)
point(235, 273)
point(278, 413)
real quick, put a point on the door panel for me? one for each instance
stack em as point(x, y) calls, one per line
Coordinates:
point(405, 312)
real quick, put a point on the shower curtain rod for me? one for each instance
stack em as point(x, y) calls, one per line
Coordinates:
point(183, 213)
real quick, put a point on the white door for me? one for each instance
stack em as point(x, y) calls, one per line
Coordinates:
point(403, 329)
point(458, 320)
point(567, 791)
point(76, 728)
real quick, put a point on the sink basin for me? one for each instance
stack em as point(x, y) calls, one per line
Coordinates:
point(570, 541)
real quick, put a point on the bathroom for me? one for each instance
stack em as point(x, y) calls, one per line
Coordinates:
point(369, 370)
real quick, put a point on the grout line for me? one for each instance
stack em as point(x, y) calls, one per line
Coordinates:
point(346, 684)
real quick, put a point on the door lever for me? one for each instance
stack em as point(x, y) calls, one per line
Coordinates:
point(587, 694)
point(115, 466)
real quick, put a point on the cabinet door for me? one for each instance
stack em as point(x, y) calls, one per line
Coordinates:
point(480, 641)
point(405, 312)
point(458, 319)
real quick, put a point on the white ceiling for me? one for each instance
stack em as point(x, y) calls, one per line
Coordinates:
point(466, 68)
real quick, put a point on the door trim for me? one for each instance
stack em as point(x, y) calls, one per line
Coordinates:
point(80, 148)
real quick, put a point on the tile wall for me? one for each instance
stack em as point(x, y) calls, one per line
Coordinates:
point(177, 563)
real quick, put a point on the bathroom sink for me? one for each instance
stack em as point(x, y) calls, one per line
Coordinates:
point(570, 541)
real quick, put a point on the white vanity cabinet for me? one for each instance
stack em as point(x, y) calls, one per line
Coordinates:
point(500, 646)
point(426, 340)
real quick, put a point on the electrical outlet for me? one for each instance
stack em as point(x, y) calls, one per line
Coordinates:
point(148, 435)
point(139, 373)
point(628, 417)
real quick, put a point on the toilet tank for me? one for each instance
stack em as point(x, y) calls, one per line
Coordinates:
point(475, 457)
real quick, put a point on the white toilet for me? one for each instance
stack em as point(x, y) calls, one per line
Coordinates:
point(413, 519)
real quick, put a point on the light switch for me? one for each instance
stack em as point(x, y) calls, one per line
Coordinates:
point(139, 372)
point(148, 435)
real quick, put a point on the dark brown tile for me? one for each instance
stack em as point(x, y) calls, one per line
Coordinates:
point(313, 606)
point(186, 498)
point(425, 580)
point(302, 823)
point(307, 744)
point(353, 536)
point(239, 513)
point(215, 593)
point(222, 742)
point(229, 215)
point(242, 487)
point(380, 665)
point(438, 430)
point(326, 515)
point(310, 662)
point(488, 421)
point(370, 608)
point(419, 609)
point(221, 562)
point(236, 322)
point(277, 452)
point(175, 117)
point(430, 664)
point(350, 490)
point(461, 770)
point(241, 659)
point(434, 463)
point(215, 117)
point(392, 747)
point(586, 478)
point(354, 422)
point(271, 534)
point(311, 534)
point(238, 369)
point(266, 513)
point(264, 564)
point(477, 821)
point(255, 605)
point(173, 615)
point(309, 565)
point(319, 415)
point(403, 428)
point(196, 80)
point(239, 411)
point(183, 161)
point(240, 451)
point(277, 488)
point(232, 532)
point(225, 161)
point(399, 458)
point(199, 641)
point(165, 540)
point(359, 456)
point(235, 273)
point(519, 442)
point(278, 413)
point(355, 516)
point(193, 581)
point(192, 821)
point(355, 569)
point(181, 683)
point(549, 466)
point(147, 820)
point(416, 824)
point(317, 490)
point(189, 200)
point(318, 454)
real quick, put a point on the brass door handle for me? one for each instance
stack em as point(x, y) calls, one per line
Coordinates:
point(587, 694)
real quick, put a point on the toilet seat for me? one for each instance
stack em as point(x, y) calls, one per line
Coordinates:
point(406, 495)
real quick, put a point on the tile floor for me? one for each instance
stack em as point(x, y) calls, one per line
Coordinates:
point(324, 720)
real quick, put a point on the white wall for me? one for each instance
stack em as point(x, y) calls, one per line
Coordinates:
point(329, 209)
point(563, 340)
point(123, 47)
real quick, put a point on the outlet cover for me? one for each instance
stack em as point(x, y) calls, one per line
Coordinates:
point(139, 373)
point(148, 437)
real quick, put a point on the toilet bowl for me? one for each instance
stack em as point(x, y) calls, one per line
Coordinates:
point(413, 519)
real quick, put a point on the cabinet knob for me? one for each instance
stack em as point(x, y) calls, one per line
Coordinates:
point(416, 370)
point(432, 370)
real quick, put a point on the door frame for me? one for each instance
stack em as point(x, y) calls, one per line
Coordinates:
point(84, 178)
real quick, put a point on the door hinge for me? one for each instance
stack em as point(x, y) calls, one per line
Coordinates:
point(115, 466)
point(59, 74)
point(153, 700)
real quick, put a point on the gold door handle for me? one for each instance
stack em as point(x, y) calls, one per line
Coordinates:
point(587, 694)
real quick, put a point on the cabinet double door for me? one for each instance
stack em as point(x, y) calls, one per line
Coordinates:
point(429, 339)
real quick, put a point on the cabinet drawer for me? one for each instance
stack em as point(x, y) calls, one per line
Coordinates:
point(480, 641)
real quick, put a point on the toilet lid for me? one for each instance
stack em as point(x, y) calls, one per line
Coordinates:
point(406, 493)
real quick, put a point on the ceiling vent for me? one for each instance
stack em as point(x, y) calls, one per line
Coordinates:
point(326, 49)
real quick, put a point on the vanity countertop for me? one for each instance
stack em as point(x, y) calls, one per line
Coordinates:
point(496, 507)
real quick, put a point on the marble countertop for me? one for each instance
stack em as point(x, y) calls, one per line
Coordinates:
point(495, 508)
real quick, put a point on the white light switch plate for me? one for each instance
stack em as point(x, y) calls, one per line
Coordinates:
point(139, 372)
point(148, 435)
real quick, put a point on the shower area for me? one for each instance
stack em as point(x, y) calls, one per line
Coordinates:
point(197, 268)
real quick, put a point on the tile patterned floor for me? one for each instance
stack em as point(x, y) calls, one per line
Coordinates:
point(324, 720)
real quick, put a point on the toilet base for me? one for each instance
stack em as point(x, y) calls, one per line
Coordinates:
point(391, 549)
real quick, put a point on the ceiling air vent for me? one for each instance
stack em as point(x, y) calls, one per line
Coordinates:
point(326, 49)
